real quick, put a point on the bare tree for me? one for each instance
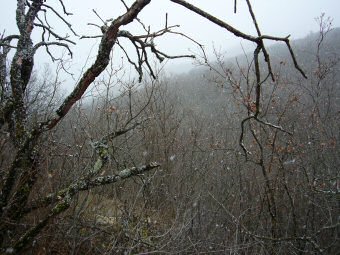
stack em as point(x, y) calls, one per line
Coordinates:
point(24, 136)
point(21, 175)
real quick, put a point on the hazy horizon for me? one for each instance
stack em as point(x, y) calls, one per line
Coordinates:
point(274, 18)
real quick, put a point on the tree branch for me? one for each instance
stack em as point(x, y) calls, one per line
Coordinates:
point(216, 21)
point(101, 62)
point(87, 184)
point(46, 44)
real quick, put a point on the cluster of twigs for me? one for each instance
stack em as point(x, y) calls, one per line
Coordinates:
point(19, 180)
point(143, 42)
point(260, 48)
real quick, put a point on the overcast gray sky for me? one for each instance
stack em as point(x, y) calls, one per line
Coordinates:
point(275, 17)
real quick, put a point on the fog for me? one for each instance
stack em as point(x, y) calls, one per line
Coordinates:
point(275, 17)
point(237, 156)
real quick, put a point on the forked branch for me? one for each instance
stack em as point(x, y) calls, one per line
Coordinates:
point(260, 47)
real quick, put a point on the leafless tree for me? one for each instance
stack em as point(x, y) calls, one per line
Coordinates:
point(24, 129)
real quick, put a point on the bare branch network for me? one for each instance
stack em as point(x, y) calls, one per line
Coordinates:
point(26, 135)
point(260, 47)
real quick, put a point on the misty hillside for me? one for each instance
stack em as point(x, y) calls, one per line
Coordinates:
point(237, 156)
point(228, 183)
point(202, 88)
point(231, 183)
point(306, 47)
